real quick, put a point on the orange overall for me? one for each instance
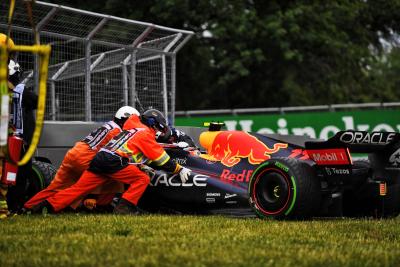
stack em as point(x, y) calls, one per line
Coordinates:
point(76, 161)
point(118, 161)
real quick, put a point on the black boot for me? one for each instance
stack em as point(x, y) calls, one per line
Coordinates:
point(126, 207)
point(43, 208)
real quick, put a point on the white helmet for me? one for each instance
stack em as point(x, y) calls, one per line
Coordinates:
point(13, 67)
point(126, 111)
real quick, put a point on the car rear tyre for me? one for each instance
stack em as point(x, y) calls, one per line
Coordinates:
point(42, 175)
point(285, 188)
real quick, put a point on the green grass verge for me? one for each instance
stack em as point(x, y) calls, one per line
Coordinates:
point(159, 240)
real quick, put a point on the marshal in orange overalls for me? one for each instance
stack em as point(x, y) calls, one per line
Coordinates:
point(118, 161)
point(76, 161)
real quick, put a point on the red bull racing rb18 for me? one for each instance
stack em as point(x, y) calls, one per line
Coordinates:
point(283, 177)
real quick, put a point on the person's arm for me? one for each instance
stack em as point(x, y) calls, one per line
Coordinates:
point(154, 152)
point(159, 157)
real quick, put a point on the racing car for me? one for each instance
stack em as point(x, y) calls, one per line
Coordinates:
point(282, 177)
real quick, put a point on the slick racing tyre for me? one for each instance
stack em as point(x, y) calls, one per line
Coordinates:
point(42, 175)
point(285, 188)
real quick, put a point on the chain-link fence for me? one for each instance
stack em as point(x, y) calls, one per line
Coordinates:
point(98, 62)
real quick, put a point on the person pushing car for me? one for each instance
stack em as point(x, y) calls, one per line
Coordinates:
point(78, 158)
point(120, 160)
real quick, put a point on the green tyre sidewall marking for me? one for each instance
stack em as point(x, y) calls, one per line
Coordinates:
point(39, 175)
point(294, 195)
point(284, 168)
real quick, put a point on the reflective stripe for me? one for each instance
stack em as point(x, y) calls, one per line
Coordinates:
point(3, 204)
point(138, 158)
point(162, 159)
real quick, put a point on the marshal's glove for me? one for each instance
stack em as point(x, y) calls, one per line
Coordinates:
point(148, 170)
point(184, 174)
point(182, 145)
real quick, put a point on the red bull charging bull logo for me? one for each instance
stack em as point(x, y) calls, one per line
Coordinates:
point(229, 147)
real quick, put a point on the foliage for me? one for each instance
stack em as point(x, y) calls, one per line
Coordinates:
point(253, 53)
point(160, 240)
point(385, 78)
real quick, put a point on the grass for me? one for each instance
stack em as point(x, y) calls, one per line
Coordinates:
point(160, 240)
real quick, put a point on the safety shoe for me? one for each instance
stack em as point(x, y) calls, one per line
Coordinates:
point(43, 208)
point(126, 207)
point(25, 211)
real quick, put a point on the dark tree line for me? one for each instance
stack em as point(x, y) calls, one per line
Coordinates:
point(255, 53)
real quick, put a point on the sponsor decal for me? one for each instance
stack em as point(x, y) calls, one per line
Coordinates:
point(231, 202)
point(180, 161)
point(213, 194)
point(376, 138)
point(244, 176)
point(229, 147)
point(227, 195)
point(299, 153)
point(337, 171)
point(281, 166)
point(164, 179)
point(394, 159)
point(334, 156)
point(210, 200)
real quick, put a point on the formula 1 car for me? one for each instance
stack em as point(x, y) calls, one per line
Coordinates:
point(282, 177)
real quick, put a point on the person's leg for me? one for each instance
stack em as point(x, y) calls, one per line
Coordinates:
point(85, 184)
point(137, 179)
point(75, 162)
point(65, 177)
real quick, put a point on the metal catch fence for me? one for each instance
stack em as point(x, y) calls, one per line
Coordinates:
point(98, 62)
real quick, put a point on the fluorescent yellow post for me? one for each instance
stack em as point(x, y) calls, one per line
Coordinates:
point(44, 54)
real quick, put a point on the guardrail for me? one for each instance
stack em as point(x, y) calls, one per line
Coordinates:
point(283, 110)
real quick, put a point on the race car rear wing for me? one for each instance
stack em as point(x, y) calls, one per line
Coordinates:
point(359, 141)
point(384, 147)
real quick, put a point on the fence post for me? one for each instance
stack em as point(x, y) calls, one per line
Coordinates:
point(88, 52)
point(88, 100)
point(133, 78)
point(53, 100)
point(173, 87)
point(125, 86)
point(164, 86)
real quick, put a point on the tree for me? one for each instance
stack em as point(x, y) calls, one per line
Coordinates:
point(254, 53)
